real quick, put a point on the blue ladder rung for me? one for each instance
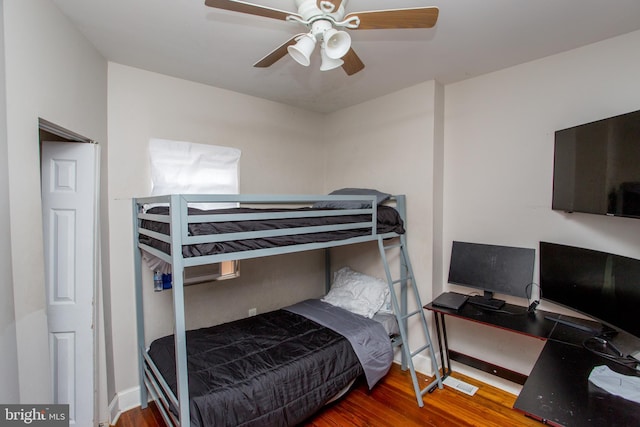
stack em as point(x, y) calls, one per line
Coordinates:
point(420, 350)
point(397, 245)
point(402, 280)
point(413, 313)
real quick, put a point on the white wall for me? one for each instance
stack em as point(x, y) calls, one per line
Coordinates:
point(390, 144)
point(499, 131)
point(52, 73)
point(280, 147)
point(9, 389)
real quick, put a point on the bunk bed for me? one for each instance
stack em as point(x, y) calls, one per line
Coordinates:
point(183, 236)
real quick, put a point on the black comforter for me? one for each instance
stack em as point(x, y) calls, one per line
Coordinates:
point(270, 370)
point(388, 221)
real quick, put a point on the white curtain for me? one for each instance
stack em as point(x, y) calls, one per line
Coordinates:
point(180, 167)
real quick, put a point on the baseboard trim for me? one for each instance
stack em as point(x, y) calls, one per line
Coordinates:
point(122, 402)
point(492, 380)
point(421, 364)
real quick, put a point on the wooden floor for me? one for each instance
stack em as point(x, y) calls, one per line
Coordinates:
point(392, 403)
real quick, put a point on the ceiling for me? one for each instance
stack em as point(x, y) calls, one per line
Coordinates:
point(188, 40)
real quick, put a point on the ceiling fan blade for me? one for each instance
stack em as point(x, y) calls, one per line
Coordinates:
point(352, 63)
point(276, 54)
point(252, 9)
point(336, 3)
point(420, 17)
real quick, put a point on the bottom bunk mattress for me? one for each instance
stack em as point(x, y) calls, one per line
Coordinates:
point(277, 368)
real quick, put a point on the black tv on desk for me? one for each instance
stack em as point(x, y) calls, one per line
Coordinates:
point(599, 284)
point(493, 269)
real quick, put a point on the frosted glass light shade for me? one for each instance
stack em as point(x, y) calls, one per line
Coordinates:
point(336, 43)
point(329, 63)
point(302, 50)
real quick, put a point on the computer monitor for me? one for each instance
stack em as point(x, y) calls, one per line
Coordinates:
point(599, 284)
point(493, 269)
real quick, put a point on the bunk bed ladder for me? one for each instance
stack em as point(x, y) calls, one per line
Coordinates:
point(405, 282)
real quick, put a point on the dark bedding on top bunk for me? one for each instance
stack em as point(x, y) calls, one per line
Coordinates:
point(277, 368)
point(388, 221)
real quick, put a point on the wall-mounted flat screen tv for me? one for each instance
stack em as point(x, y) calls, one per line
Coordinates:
point(597, 167)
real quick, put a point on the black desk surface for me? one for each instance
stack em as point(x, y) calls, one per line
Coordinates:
point(538, 324)
point(510, 317)
point(558, 389)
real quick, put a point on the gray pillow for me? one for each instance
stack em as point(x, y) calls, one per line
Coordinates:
point(346, 204)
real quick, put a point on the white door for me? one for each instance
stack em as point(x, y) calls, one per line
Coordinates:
point(69, 177)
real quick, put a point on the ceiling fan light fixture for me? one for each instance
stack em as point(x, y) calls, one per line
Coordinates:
point(329, 63)
point(336, 43)
point(326, 20)
point(302, 50)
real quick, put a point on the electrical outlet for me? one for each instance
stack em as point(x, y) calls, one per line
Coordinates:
point(253, 311)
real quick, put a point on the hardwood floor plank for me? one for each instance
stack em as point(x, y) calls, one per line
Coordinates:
point(392, 403)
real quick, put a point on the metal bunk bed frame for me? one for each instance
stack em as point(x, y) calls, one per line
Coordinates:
point(151, 381)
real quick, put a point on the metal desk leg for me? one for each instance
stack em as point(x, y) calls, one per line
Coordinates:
point(441, 331)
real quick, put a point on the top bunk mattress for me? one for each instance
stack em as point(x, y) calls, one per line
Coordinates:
point(388, 221)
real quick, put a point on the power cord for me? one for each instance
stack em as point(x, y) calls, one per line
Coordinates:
point(528, 293)
point(620, 359)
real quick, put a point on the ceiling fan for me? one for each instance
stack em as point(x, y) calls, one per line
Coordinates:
point(326, 22)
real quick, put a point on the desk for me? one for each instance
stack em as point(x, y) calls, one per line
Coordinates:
point(534, 325)
point(557, 391)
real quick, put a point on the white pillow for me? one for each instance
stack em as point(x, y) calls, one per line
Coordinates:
point(357, 292)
